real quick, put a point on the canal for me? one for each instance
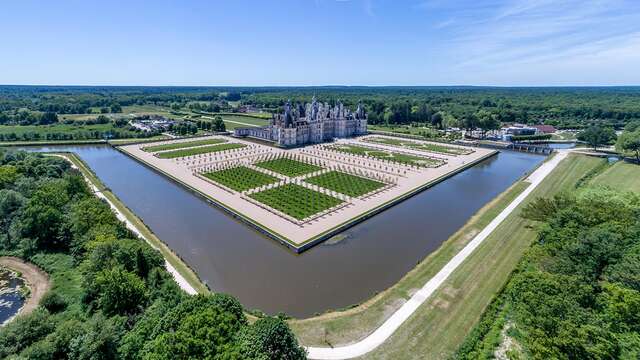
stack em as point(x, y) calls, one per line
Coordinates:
point(233, 258)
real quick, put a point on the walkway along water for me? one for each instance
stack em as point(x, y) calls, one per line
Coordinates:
point(233, 258)
point(407, 309)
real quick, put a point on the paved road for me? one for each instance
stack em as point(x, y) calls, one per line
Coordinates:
point(387, 329)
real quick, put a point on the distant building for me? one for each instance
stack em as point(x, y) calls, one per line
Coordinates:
point(545, 129)
point(311, 123)
point(152, 123)
point(517, 130)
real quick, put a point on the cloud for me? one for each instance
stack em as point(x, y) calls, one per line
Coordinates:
point(533, 31)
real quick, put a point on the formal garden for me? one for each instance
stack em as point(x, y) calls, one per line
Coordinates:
point(182, 145)
point(199, 150)
point(295, 200)
point(288, 167)
point(240, 178)
point(412, 160)
point(347, 184)
point(422, 146)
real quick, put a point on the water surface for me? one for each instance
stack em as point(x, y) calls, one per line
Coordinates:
point(233, 258)
point(11, 300)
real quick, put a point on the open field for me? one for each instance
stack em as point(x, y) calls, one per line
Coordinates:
point(424, 146)
point(288, 167)
point(241, 178)
point(60, 128)
point(621, 176)
point(182, 145)
point(387, 155)
point(344, 183)
point(198, 150)
point(232, 121)
point(295, 200)
point(440, 325)
point(293, 225)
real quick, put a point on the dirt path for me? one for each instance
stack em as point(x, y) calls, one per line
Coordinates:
point(36, 279)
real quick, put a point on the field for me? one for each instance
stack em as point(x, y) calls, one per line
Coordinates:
point(295, 200)
point(388, 155)
point(43, 130)
point(232, 121)
point(439, 326)
point(198, 151)
point(241, 178)
point(621, 176)
point(344, 183)
point(288, 167)
point(423, 146)
point(181, 145)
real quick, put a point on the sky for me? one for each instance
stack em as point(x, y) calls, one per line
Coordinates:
point(320, 42)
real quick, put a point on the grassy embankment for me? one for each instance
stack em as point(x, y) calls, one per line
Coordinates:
point(173, 259)
point(620, 175)
point(440, 325)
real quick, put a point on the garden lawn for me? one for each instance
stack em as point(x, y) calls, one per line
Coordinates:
point(199, 150)
point(344, 183)
point(181, 145)
point(288, 167)
point(295, 200)
point(241, 178)
point(388, 155)
point(438, 148)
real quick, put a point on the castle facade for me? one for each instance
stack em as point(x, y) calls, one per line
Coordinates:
point(311, 123)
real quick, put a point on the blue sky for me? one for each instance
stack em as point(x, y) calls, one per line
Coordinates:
point(321, 42)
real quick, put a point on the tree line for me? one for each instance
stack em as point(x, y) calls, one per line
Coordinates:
point(111, 296)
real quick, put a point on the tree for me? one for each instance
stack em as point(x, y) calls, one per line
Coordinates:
point(8, 174)
point(48, 118)
point(218, 124)
point(630, 142)
point(120, 291)
point(597, 136)
point(115, 107)
point(270, 338)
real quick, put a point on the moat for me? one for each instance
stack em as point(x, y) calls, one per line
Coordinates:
point(262, 274)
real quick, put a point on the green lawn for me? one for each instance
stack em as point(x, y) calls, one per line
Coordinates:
point(288, 167)
point(621, 176)
point(423, 146)
point(344, 183)
point(440, 325)
point(241, 178)
point(181, 145)
point(198, 151)
point(388, 155)
point(295, 200)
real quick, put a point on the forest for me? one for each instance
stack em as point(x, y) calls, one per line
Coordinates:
point(466, 107)
point(111, 296)
point(576, 292)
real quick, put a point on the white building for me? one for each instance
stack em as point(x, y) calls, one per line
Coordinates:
point(312, 123)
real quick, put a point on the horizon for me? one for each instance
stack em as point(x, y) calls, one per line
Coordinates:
point(487, 43)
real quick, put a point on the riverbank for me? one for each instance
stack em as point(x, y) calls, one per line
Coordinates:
point(186, 278)
point(438, 326)
point(36, 279)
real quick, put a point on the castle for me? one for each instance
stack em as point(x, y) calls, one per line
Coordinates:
point(312, 123)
